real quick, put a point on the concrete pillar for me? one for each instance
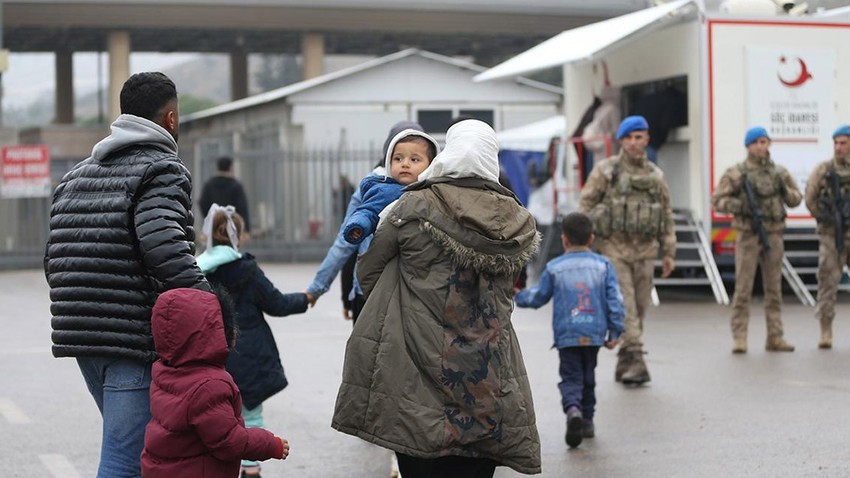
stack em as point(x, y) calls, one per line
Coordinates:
point(313, 55)
point(238, 74)
point(118, 46)
point(64, 87)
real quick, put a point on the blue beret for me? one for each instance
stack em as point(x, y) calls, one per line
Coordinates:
point(753, 134)
point(632, 123)
point(843, 130)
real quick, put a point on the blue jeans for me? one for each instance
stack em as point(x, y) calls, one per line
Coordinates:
point(253, 419)
point(578, 378)
point(121, 389)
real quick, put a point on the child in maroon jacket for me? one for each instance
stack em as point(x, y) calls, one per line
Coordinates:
point(196, 427)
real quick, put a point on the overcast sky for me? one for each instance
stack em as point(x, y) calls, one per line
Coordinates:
point(32, 75)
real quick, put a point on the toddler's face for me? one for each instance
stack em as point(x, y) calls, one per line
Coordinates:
point(408, 160)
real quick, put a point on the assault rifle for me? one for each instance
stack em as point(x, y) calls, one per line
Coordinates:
point(757, 214)
point(840, 210)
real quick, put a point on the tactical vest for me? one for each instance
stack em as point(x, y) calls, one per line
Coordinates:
point(768, 188)
point(632, 206)
point(829, 202)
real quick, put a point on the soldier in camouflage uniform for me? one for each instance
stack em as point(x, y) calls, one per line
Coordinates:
point(821, 201)
point(773, 189)
point(629, 202)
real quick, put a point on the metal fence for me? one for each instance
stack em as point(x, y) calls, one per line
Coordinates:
point(297, 200)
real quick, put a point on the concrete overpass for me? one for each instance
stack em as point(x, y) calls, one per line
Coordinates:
point(488, 30)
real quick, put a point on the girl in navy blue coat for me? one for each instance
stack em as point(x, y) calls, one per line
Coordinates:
point(255, 361)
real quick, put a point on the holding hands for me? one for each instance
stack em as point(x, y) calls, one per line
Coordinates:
point(611, 344)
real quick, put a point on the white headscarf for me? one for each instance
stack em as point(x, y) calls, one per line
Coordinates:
point(231, 227)
point(472, 150)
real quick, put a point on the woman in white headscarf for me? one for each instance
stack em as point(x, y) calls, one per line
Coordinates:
point(433, 369)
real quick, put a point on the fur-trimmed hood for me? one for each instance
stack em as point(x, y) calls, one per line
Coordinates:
point(495, 235)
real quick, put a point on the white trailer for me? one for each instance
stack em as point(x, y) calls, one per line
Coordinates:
point(780, 72)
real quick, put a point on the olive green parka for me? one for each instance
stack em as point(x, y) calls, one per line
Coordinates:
point(433, 366)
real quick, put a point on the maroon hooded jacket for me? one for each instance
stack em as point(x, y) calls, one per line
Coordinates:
point(196, 429)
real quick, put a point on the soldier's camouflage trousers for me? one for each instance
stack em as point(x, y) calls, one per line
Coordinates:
point(636, 286)
point(748, 255)
point(830, 267)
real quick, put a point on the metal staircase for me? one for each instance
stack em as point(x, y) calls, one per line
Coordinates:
point(799, 287)
point(801, 253)
point(796, 263)
point(695, 265)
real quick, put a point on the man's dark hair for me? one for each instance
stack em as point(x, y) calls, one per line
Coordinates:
point(145, 94)
point(224, 163)
point(578, 228)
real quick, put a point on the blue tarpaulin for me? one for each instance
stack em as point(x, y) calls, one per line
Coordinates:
point(515, 164)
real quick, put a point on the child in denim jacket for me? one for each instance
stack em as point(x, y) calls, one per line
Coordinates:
point(587, 314)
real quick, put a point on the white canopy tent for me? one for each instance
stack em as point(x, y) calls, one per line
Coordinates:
point(589, 42)
point(533, 136)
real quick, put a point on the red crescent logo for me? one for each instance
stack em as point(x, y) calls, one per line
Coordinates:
point(796, 82)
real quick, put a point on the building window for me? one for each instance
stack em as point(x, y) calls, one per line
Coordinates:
point(438, 121)
point(435, 121)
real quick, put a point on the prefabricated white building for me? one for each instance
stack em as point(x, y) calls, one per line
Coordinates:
point(293, 146)
point(355, 107)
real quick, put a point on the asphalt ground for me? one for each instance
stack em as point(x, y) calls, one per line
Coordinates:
point(706, 412)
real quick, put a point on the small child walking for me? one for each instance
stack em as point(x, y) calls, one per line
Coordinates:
point(255, 362)
point(196, 426)
point(588, 313)
point(410, 152)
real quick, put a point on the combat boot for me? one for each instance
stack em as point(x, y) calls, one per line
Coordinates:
point(637, 373)
point(778, 344)
point(740, 345)
point(623, 363)
point(825, 334)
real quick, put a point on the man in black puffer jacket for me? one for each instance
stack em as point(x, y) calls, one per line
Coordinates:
point(120, 234)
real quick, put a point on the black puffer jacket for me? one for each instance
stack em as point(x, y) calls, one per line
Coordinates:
point(120, 234)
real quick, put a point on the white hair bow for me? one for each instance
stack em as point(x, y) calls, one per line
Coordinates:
point(231, 227)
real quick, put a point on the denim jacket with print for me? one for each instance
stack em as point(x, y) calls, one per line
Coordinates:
point(588, 306)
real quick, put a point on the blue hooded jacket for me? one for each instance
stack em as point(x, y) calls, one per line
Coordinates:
point(378, 193)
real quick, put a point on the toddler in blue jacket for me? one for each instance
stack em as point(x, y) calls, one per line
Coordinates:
point(587, 314)
point(410, 152)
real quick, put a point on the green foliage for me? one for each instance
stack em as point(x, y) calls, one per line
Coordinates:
point(191, 104)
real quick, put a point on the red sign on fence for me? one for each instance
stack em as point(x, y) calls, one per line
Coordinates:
point(25, 171)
